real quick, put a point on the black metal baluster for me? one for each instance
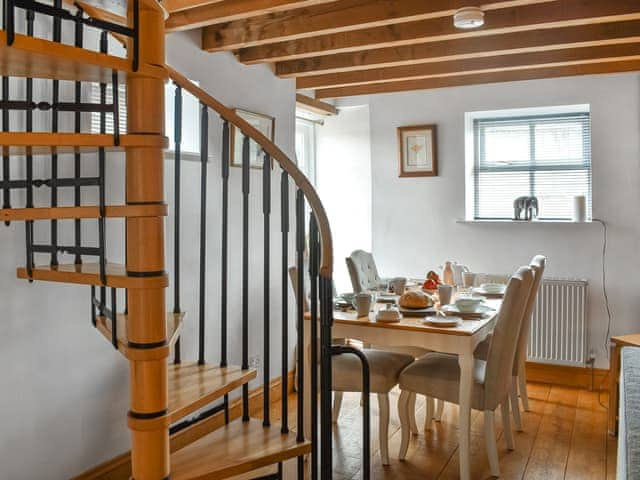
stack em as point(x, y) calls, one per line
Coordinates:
point(114, 318)
point(245, 272)
point(284, 226)
point(57, 37)
point(266, 283)
point(9, 21)
point(101, 175)
point(6, 159)
point(77, 157)
point(300, 247)
point(177, 135)
point(225, 256)
point(326, 321)
point(204, 153)
point(29, 127)
point(136, 36)
point(314, 263)
point(115, 100)
point(94, 317)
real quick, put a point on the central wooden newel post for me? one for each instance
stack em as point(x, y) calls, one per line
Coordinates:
point(146, 326)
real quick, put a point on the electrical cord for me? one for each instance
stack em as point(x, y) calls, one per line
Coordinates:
point(606, 303)
point(604, 285)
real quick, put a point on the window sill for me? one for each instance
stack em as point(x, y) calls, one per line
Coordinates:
point(522, 222)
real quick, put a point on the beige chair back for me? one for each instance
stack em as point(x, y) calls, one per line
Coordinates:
point(504, 342)
point(363, 271)
point(537, 264)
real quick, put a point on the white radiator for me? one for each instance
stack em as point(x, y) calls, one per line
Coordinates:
point(559, 323)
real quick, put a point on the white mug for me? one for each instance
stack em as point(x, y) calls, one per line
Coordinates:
point(362, 303)
point(398, 284)
point(468, 279)
point(445, 293)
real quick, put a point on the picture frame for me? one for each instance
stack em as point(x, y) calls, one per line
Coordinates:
point(417, 151)
point(261, 122)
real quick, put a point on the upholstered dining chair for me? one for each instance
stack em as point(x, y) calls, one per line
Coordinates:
point(519, 383)
point(437, 375)
point(363, 271)
point(384, 368)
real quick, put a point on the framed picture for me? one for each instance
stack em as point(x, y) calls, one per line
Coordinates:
point(264, 124)
point(418, 151)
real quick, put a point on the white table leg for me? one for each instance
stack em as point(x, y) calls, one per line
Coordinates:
point(465, 360)
point(307, 381)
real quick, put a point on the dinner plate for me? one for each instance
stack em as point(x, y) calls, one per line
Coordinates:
point(479, 311)
point(442, 321)
point(482, 291)
point(417, 312)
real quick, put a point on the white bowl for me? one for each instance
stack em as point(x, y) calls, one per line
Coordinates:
point(493, 287)
point(468, 304)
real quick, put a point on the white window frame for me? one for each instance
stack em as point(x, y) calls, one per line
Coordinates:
point(470, 147)
point(310, 146)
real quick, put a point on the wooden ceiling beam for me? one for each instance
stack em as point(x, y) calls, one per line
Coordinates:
point(483, 78)
point(230, 11)
point(500, 21)
point(554, 58)
point(177, 5)
point(464, 48)
point(315, 106)
point(335, 17)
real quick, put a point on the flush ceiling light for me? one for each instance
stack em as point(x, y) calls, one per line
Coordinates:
point(468, 17)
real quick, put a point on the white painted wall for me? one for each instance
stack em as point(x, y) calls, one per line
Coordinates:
point(64, 391)
point(414, 219)
point(344, 184)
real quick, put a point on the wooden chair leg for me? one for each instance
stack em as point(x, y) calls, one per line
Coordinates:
point(490, 442)
point(411, 411)
point(383, 429)
point(337, 404)
point(515, 406)
point(506, 423)
point(439, 410)
point(522, 381)
point(430, 409)
point(405, 429)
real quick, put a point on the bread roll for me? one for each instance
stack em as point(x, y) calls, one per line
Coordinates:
point(415, 299)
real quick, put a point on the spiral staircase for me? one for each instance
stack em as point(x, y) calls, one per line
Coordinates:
point(163, 393)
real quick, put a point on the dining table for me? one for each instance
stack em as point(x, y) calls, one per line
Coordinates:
point(412, 331)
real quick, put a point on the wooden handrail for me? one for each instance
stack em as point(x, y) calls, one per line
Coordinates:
point(301, 181)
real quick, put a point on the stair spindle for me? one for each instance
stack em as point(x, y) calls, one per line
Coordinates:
point(114, 318)
point(284, 226)
point(57, 37)
point(177, 135)
point(266, 284)
point(300, 248)
point(77, 156)
point(101, 173)
point(245, 271)
point(204, 154)
point(224, 268)
point(6, 160)
point(314, 265)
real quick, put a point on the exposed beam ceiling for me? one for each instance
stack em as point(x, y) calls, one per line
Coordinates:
point(482, 78)
point(606, 53)
point(511, 43)
point(336, 17)
point(355, 47)
point(315, 106)
point(210, 13)
point(561, 13)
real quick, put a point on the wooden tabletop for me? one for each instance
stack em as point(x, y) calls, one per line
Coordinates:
point(466, 328)
point(632, 340)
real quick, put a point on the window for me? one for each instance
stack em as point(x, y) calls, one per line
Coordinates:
point(190, 116)
point(544, 153)
point(306, 148)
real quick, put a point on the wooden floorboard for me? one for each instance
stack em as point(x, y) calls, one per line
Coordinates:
point(564, 437)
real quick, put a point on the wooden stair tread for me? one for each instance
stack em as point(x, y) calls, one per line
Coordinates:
point(39, 58)
point(44, 143)
point(193, 386)
point(67, 213)
point(103, 324)
point(235, 449)
point(89, 274)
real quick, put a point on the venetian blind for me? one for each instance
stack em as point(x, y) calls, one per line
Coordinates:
point(547, 156)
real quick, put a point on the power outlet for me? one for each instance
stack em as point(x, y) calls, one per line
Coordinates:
point(254, 362)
